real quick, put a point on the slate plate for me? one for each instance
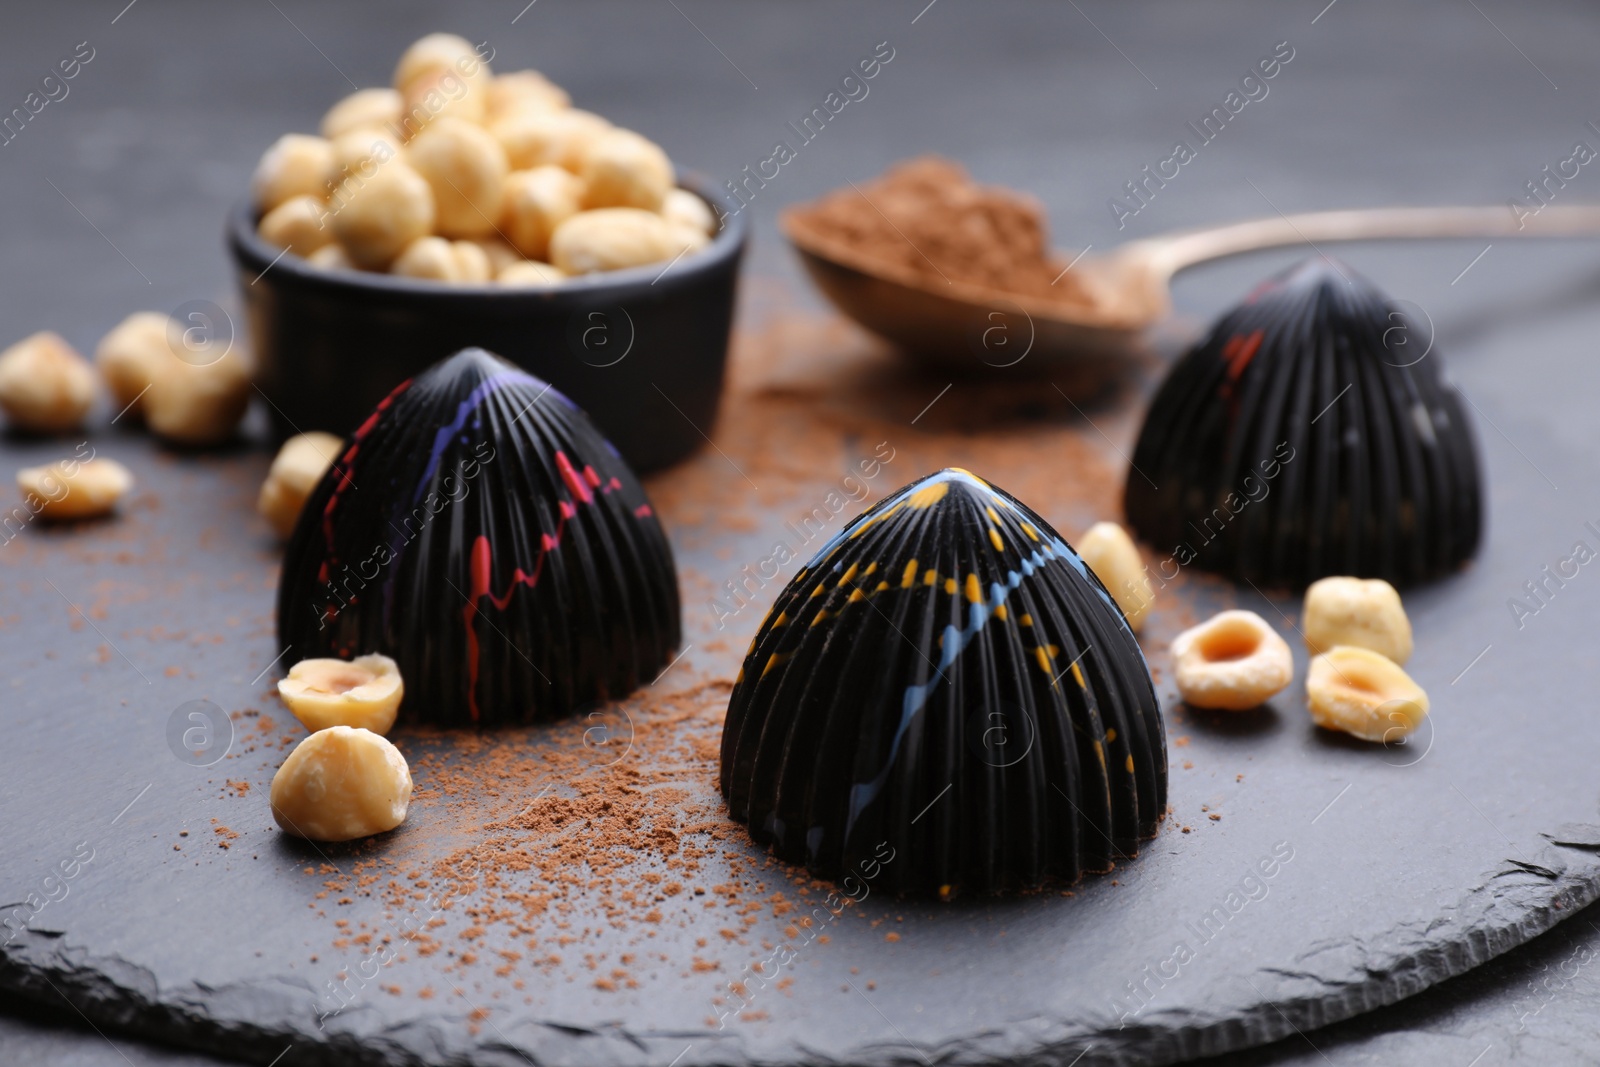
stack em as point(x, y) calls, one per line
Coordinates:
point(1395, 867)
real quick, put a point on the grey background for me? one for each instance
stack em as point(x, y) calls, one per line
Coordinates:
point(111, 201)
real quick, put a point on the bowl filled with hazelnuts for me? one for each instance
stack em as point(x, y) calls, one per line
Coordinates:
point(462, 208)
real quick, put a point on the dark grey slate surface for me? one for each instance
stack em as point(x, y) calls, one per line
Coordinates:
point(1411, 873)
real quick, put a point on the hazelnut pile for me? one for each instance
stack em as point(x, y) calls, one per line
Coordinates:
point(463, 176)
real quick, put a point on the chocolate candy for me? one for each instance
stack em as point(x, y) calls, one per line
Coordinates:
point(946, 699)
point(478, 529)
point(1311, 433)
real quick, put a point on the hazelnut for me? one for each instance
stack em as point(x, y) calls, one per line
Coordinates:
point(340, 784)
point(362, 108)
point(376, 217)
point(131, 355)
point(45, 386)
point(331, 257)
point(499, 252)
point(75, 490)
point(527, 272)
point(364, 693)
point(462, 262)
point(472, 262)
point(1364, 694)
point(613, 238)
point(198, 403)
point(441, 94)
point(297, 164)
point(439, 52)
point(536, 202)
point(623, 169)
point(685, 238)
point(524, 90)
point(363, 150)
point(687, 209)
point(298, 224)
point(1364, 612)
point(1115, 560)
point(296, 470)
point(1234, 660)
point(467, 170)
point(560, 138)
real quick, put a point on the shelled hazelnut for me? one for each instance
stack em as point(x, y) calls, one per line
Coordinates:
point(1364, 612)
point(441, 94)
point(198, 403)
point(297, 164)
point(444, 261)
point(524, 90)
point(375, 218)
point(131, 355)
point(1115, 560)
point(45, 385)
point(467, 171)
point(362, 109)
point(529, 273)
point(298, 225)
point(498, 250)
point(438, 52)
point(622, 169)
point(295, 471)
point(332, 257)
point(340, 784)
point(72, 490)
point(536, 202)
point(616, 237)
point(362, 150)
point(556, 138)
point(686, 209)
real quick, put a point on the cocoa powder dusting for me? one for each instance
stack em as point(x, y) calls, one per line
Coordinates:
point(927, 216)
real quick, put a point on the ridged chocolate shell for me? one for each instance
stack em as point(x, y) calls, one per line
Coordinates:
point(1311, 433)
point(946, 684)
point(478, 529)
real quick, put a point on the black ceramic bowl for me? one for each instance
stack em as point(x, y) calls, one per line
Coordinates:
point(641, 350)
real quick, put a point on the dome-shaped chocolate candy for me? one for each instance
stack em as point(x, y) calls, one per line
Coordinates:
point(946, 699)
point(479, 530)
point(1311, 433)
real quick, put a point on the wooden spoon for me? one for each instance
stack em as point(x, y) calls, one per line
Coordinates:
point(963, 324)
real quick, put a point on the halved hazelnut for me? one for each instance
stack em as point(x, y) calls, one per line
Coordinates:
point(1233, 660)
point(364, 692)
point(340, 784)
point(1364, 694)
